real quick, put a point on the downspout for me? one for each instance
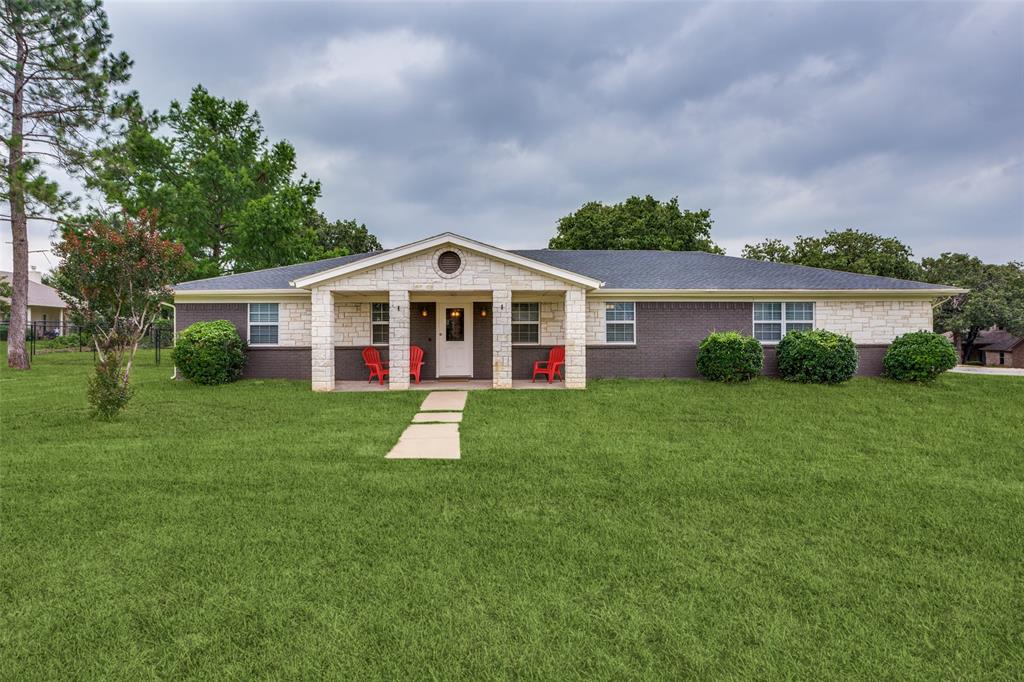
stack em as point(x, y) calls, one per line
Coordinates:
point(174, 337)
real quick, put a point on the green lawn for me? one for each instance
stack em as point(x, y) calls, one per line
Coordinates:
point(673, 529)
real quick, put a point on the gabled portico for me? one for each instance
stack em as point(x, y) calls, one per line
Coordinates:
point(447, 290)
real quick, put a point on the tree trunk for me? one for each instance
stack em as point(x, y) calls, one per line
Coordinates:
point(972, 336)
point(16, 356)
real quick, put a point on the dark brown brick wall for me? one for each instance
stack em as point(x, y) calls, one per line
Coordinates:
point(667, 335)
point(483, 342)
point(278, 363)
point(869, 360)
point(523, 358)
point(421, 333)
point(235, 313)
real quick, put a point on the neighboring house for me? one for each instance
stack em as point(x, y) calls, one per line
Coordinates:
point(488, 313)
point(998, 348)
point(45, 308)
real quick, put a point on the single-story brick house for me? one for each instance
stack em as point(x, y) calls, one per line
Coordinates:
point(998, 348)
point(488, 313)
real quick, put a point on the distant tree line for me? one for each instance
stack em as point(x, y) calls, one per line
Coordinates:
point(995, 297)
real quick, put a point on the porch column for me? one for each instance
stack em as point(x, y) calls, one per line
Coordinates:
point(398, 339)
point(322, 339)
point(575, 338)
point(501, 338)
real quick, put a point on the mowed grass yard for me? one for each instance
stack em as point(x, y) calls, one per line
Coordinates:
point(662, 529)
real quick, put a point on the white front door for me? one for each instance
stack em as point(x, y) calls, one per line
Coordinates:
point(455, 338)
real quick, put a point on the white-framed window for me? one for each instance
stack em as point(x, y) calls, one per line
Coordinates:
point(620, 322)
point(773, 320)
point(263, 324)
point(380, 317)
point(525, 323)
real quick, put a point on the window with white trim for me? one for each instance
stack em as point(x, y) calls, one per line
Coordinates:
point(525, 323)
point(380, 318)
point(772, 321)
point(620, 322)
point(263, 324)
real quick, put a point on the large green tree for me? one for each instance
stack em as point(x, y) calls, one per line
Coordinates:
point(234, 200)
point(636, 223)
point(847, 250)
point(343, 237)
point(58, 82)
point(995, 297)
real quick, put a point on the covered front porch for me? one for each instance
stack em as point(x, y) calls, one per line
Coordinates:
point(471, 339)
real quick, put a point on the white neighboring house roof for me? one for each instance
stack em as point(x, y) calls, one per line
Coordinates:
point(38, 293)
point(442, 240)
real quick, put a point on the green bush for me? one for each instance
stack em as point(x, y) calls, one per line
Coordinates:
point(729, 356)
point(919, 356)
point(210, 353)
point(817, 357)
point(108, 391)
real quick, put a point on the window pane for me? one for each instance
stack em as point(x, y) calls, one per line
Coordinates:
point(799, 327)
point(767, 331)
point(619, 312)
point(453, 328)
point(525, 333)
point(803, 312)
point(525, 312)
point(263, 312)
point(263, 333)
point(767, 312)
point(619, 333)
point(380, 312)
point(380, 333)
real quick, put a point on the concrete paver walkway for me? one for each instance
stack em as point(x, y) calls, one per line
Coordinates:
point(434, 433)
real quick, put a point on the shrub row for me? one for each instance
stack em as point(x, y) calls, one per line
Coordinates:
point(821, 357)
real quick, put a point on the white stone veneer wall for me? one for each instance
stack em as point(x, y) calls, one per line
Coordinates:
point(873, 321)
point(294, 323)
point(416, 273)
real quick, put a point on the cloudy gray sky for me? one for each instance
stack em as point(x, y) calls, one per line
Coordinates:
point(493, 120)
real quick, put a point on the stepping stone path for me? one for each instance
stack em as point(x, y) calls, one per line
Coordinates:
point(434, 433)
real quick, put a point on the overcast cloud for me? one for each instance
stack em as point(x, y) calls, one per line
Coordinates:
point(495, 120)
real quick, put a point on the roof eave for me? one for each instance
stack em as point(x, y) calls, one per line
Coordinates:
point(776, 293)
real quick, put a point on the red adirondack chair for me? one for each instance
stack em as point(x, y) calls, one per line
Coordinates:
point(551, 367)
point(415, 362)
point(371, 356)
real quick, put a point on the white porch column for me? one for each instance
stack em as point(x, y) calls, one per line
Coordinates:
point(501, 338)
point(398, 339)
point(575, 338)
point(322, 339)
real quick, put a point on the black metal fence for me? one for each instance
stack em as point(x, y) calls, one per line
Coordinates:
point(63, 337)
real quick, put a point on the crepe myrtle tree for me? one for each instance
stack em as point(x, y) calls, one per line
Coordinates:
point(113, 276)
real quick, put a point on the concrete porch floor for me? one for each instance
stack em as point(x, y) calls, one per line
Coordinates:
point(445, 385)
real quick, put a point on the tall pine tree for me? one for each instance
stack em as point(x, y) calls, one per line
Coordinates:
point(57, 80)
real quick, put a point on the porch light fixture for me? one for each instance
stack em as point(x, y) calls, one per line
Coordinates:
point(483, 312)
point(456, 313)
point(423, 312)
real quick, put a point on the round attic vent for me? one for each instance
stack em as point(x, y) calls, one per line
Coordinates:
point(449, 262)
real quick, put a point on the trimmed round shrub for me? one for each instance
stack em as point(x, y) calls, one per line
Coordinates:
point(919, 356)
point(210, 353)
point(817, 357)
point(729, 356)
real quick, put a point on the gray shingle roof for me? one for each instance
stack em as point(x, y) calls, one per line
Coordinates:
point(699, 270)
point(272, 278)
point(619, 270)
point(38, 293)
